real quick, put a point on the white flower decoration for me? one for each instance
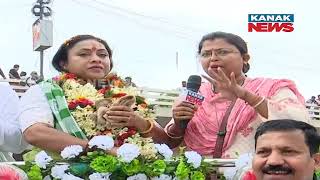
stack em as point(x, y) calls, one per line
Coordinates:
point(193, 158)
point(71, 151)
point(58, 171)
point(127, 152)
point(100, 176)
point(244, 160)
point(70, 177)
point(162, 177)
point(47, 177)
point(243, 163)
point(164, 150)
point(102, 142)
point(138, 177)
point(42, 159)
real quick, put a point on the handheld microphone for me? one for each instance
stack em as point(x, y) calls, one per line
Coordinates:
point(191, 95)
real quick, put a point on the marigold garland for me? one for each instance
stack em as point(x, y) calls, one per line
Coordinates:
point(82, 97)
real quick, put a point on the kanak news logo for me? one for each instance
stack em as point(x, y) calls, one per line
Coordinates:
point(194, 98)
point(270, 22)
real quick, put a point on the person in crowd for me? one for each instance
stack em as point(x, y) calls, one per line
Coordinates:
point(318, 100)
point(286, 150)
point(183, 86)
point(11, 140)
point(234, 105)
point(2, 74)
point(89, 58)
point(317, 107)
point(312, 100)
point(313, 103)
point(23, 75)
point(34, 76)
point(13, 73)
point(33, 79)
point(128, 81)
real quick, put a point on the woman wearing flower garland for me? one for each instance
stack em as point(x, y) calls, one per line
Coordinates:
point(45, 118)
point(234, 105)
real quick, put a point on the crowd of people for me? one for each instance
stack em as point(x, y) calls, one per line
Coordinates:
point(313, 104)
point(314, 101)
point(32, 79)
point(240, 114)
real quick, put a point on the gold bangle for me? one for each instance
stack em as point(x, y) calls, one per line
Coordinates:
point(150, 128)
point(256, 105)
point(173, 137)
point(167, 129)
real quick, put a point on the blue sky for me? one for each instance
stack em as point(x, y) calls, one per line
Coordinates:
point(146, 34)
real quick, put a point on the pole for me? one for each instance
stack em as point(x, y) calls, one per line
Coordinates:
point(41, 13)
point(41, 52)
point(41, 65)
point(177, 61)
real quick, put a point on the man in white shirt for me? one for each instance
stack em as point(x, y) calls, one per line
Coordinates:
point(10, 133)
point(183, 86)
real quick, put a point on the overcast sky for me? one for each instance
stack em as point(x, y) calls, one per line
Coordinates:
point(146, 34)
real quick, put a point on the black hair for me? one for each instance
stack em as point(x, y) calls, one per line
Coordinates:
point(62, 53)
point(233, 39)
point(16, 66)
point(312, 138)
point(23, 73)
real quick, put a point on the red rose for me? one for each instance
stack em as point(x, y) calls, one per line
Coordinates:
point(83, 102)
point(104, 90)
point(72, 105)
point(249, 176)
point(119, 95)
point(70, 76)
point(124, 136)
point(118, 142)
point(131, 131)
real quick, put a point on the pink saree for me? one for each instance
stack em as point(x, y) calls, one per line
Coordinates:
point(201, 132)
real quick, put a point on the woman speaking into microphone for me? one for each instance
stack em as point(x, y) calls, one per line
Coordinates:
point(234, 105)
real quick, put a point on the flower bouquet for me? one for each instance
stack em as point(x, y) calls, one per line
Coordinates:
point(129, 163)
point(85, 101)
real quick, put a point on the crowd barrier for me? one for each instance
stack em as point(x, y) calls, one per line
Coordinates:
point(218, 162)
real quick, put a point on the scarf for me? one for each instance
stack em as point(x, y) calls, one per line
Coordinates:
point(63, 120)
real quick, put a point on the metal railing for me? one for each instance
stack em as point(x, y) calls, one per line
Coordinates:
point(217, 162)
point(20, 86)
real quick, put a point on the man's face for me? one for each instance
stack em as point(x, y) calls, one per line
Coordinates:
point(283, 156)
point(34, 75)
point(128, 80)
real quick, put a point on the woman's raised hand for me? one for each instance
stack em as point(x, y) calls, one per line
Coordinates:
point(227, 86)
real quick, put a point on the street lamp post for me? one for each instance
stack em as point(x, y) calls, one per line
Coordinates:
point(41, 10)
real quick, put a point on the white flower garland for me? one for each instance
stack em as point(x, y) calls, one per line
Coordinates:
point(42, 159)
point(127, 152)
